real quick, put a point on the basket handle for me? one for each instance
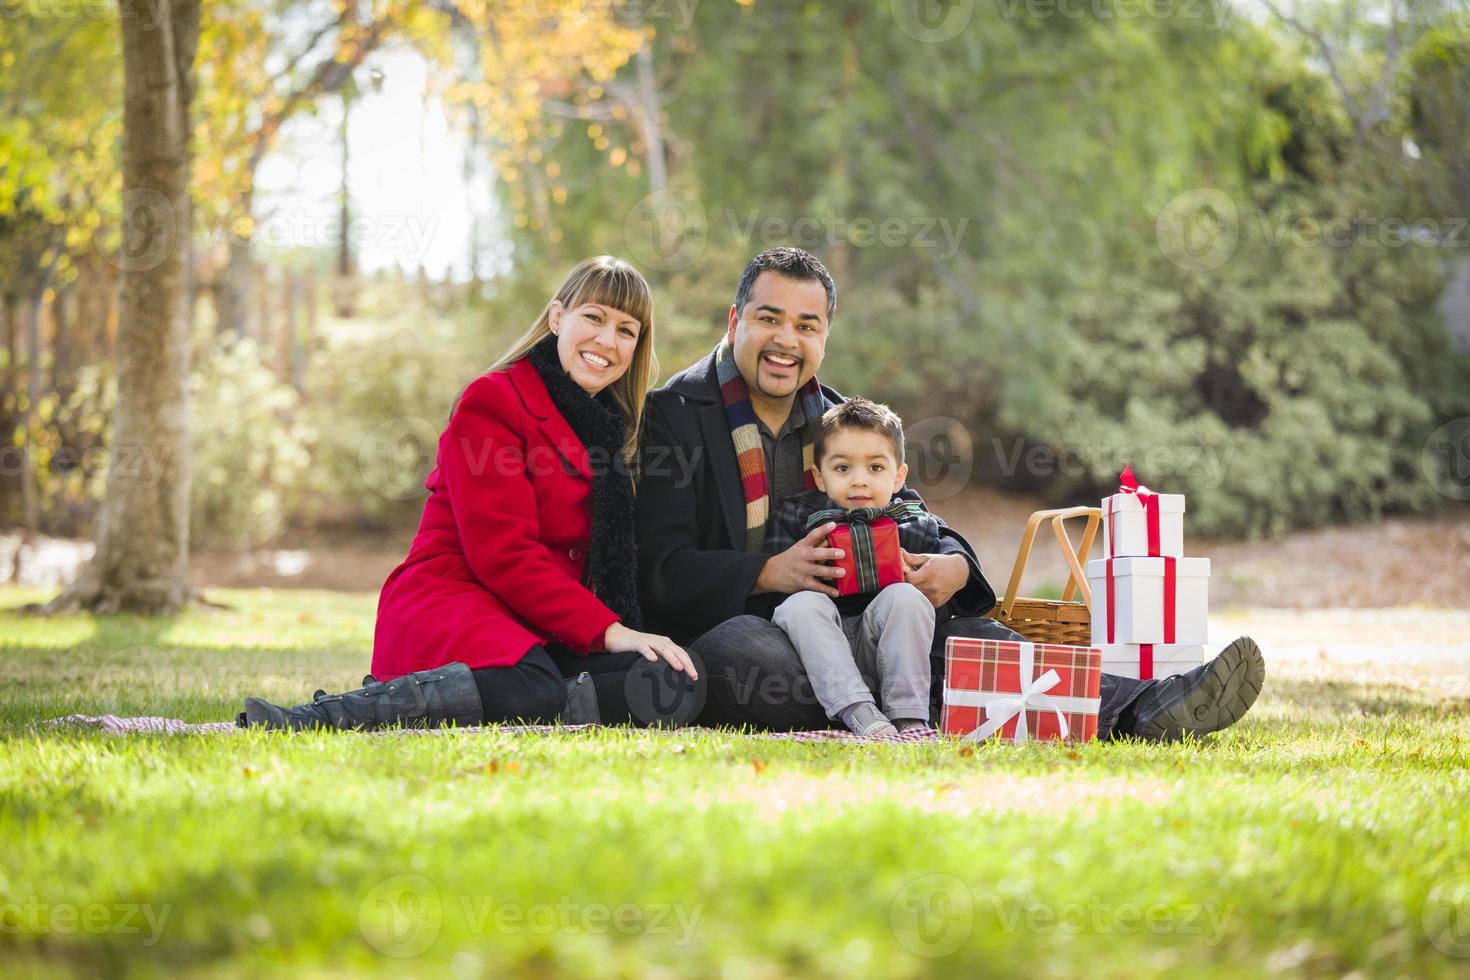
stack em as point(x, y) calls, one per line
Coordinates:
point(1077, 579)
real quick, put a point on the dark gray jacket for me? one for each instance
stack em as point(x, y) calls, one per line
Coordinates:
point(693, 572)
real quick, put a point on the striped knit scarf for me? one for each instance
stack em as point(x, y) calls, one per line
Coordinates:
point(747, 437)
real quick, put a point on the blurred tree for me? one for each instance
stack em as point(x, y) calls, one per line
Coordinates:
point(1438, 93)
point(263, 65)
point(142, 559)
point(53, 189)
point(1017, 214)
point(523, 61)
point(1026, 168)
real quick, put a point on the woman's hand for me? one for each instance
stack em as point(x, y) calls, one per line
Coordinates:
point(620, 639)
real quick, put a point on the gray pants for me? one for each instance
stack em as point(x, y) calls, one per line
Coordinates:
point(882, 652)
point(756, 679)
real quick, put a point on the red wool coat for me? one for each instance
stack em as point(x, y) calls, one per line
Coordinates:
point(496, 566)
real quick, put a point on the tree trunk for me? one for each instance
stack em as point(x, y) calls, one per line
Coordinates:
point(7, 391)
point(839, 188)
point(142, 558)
point(309, 337)
point(649, 124)
point(29, 494)
point(265, 312)
point(94, 303)
point(291, 343)
point(234, 288)
point(346, 298)
point(233, 284)
point(61, 341)
point(8, 305)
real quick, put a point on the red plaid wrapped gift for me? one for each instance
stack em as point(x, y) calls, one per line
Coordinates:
point(873, 561)
point(1020, 690)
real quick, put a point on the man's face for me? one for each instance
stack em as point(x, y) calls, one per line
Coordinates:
point(858, 469)
point(780, 337)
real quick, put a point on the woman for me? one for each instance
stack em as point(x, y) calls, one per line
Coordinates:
point(523, 571)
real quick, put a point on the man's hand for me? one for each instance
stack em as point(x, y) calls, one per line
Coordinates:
point(939, 577)
point(801, 567)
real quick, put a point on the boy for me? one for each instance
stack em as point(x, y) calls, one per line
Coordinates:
point(856, 647)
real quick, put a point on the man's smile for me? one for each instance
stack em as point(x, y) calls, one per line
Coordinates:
point(780, 363)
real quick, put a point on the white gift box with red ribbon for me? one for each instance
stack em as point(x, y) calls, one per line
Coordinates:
point(1138, 523)
point(1149, 600)
point(1143, 525)
point(1146, 661)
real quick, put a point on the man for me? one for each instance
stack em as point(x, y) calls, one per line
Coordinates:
point(729, 438)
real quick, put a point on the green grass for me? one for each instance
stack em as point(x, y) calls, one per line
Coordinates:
point(1325, 834)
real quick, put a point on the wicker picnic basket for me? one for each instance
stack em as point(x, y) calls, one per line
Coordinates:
point(1053, 620)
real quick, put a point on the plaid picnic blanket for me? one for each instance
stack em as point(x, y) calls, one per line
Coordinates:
point(152, 725)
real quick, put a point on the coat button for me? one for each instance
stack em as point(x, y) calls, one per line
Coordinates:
point(573, 554)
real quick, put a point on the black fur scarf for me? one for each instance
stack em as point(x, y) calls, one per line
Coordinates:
point(612, 556)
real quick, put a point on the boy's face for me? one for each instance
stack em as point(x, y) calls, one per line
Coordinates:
point(859, 469)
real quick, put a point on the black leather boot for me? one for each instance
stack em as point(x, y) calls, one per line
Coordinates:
point(424, 699)
point(581, 706)
point(1210, 697)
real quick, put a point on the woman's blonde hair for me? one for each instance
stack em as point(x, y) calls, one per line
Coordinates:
point(614, 283)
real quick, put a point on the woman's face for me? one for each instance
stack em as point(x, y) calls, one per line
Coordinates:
point(595, 343)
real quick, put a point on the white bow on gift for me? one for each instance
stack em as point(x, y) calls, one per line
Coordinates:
point(1001, 706)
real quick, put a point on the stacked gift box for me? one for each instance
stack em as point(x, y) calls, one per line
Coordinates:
point(1150, 603)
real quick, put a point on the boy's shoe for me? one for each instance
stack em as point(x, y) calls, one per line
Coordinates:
point(864, 718)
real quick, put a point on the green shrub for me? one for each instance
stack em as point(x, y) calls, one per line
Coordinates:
point(252, 451)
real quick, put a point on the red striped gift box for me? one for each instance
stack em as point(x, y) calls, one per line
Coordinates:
point(1020, 690)
point(868, 569)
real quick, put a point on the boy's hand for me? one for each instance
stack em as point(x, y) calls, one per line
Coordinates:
point(802, 567)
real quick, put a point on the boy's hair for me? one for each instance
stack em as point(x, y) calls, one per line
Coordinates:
point(859, 413)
